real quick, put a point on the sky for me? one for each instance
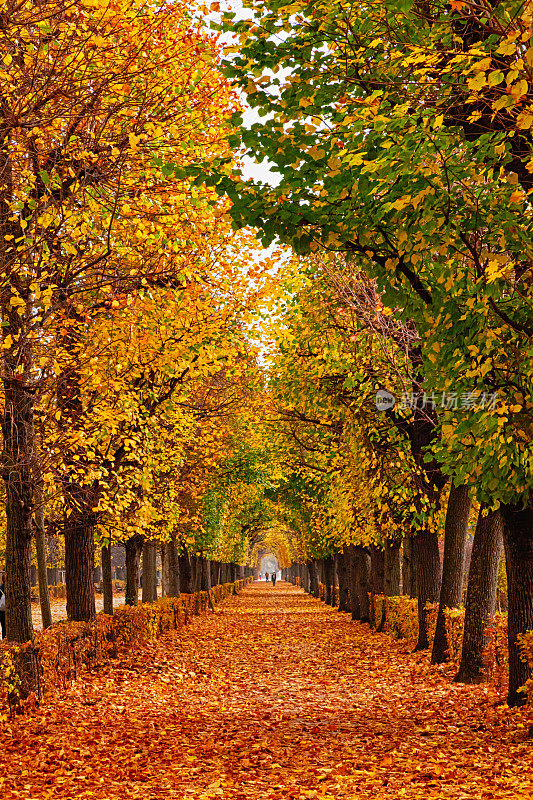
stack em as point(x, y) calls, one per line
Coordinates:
point(251, 169)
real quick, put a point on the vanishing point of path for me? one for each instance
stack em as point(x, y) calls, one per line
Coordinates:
point(273, 696)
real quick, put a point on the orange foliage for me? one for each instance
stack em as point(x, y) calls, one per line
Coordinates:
point(67, 649)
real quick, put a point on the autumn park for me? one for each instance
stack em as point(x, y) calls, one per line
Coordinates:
point(266, 298)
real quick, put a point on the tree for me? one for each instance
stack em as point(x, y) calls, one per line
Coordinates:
point(81, 160)
point(426, 189)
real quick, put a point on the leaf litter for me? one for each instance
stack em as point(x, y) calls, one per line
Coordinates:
point(273, 696)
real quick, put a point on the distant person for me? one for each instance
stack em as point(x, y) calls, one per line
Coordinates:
point(3, 610)
point(274, 576)
point(266, 576)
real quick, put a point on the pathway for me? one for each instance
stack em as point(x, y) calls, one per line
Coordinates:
point(273, 696)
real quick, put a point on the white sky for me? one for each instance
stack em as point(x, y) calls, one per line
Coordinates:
point(251, 169)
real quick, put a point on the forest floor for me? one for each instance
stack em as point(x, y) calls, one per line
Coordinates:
point(273, 696)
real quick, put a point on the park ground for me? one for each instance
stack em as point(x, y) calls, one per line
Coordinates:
point(274, 695)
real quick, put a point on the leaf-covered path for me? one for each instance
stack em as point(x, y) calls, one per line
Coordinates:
point(274, 696)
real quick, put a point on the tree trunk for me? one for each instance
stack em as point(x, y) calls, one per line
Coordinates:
point(351, 550)
point(79, 563)
point(40, 549)
point(149, 588)
point(426, 550)
point(360, 583)
point(313, 577)
point(52, 576)
point(307, 585)
point(196, 573)
point(344, 583)
point(409, 568)
point(329, 568)
point(392, 569)
point(377, 569)
point(206, 574)
point(107, 581)
point(518, 544)
point(480, 595)
point(18, 442)
point(186, 576)
point(173, 569)
point(453, 565)
point(133, 547)
point(19, 626)
point(164, 570)
point(377, 579)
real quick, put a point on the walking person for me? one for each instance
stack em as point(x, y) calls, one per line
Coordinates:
point(266, 576)
point(3, 610)
point(274, 576)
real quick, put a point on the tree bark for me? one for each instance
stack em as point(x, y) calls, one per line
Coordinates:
point(344, 582)
point(480, 595)
point(409, 568)
point(196, 573)
point(206, 574)
point(149, 588)
point(377, 579)
point(107, 581)
point(392, 569)
point(40, 549)
point(164, 570)
point(305, 569)
point(518, 544)
point(313, 577)
point(79, 563)
point(360, 583)
point(453, 565)
point(186, 576)
point(133, 547)
point(426, 549)
point(17, 456)
point(173, 569)
point(328, 580)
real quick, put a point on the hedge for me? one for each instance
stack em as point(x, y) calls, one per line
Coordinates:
point(67, 649)
point(398, 617)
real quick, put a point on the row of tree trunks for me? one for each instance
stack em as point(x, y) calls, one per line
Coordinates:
point(364, 572)
point(180, 573)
